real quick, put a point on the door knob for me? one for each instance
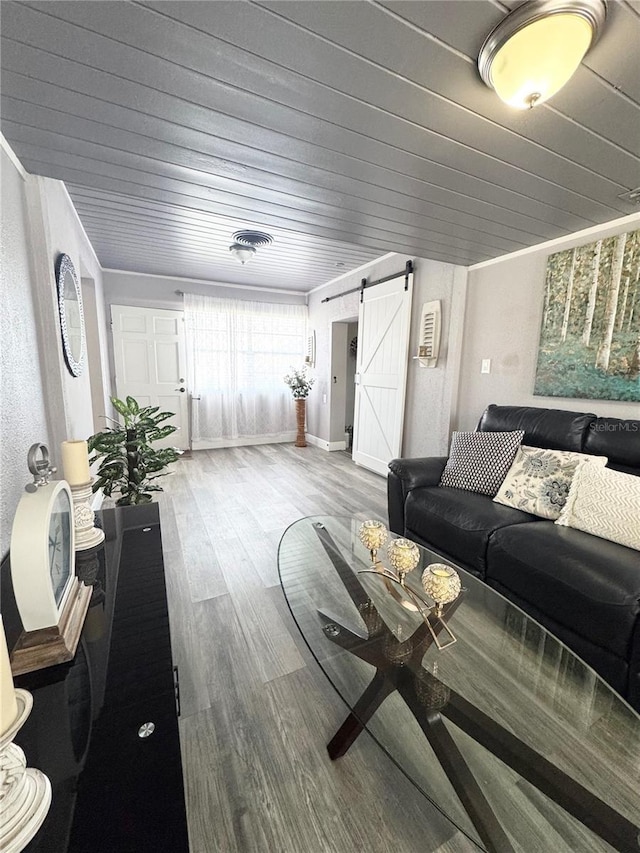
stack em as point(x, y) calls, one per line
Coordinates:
point(181, 390)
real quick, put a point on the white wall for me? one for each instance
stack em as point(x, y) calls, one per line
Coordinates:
point(41, 400)
point(154, 291)
point(23, 419)
point(64, 233)
point(504, 312)
point(431, 393)
point(350, 399)
point(338, 374)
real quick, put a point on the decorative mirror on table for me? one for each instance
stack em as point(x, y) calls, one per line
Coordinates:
point(71, 314)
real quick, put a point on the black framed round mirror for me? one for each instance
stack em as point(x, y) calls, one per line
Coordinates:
point(71, 314)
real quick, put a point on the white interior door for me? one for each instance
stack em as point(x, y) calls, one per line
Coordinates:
point(381, 373)
point(151, 366)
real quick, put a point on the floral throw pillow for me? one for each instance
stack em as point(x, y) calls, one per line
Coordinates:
point(539, 480)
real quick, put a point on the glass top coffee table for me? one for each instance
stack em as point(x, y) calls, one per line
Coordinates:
point(516, 740)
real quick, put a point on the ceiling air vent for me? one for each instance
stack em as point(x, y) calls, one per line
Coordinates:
point(632, 196)
point(244, 244)
point(252, 238)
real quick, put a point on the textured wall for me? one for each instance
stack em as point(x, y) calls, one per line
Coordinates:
point(350, 401)
point(431, 393)
point(64, 234)
point(122, 288)
point(504, 311)
point(41, 400)
point(339, 386)
point(22, 414)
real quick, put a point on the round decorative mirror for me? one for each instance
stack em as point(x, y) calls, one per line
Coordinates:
point(71, 316)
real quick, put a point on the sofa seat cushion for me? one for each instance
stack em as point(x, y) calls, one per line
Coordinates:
point(589, 585)
point(458, 522)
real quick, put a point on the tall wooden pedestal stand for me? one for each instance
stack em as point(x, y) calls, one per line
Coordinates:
point(87, 536)
point(301, 411)
point(25, 793)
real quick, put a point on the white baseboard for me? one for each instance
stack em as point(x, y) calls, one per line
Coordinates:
point(326, 445)
point(317, 442)
point(213, 444)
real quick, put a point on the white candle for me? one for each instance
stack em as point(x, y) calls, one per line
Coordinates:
point(75, 462)
point(8, 705)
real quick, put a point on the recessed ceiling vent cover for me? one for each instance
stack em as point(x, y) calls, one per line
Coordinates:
point(632, 195)
point(252, 238)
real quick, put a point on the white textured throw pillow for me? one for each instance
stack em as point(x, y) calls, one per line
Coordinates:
point(478, 461)
point(604, 503)
point(539, 479)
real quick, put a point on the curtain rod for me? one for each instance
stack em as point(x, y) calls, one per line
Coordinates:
point(365, 284)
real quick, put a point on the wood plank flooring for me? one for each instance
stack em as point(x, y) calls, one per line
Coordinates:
point(257, 712)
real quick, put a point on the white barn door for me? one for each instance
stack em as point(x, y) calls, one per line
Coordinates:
point(150, 359)
point(381, 373)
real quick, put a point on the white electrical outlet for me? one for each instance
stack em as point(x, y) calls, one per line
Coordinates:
point(486, 365)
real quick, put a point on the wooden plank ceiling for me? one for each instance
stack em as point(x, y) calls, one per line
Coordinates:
point(345, 129)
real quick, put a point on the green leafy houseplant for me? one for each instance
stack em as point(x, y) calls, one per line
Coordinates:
point(128, 462)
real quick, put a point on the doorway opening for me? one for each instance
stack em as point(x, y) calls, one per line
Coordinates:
point(344, 339)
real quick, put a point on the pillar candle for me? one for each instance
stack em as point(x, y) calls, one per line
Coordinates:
point(8, 705)
point(75, 462)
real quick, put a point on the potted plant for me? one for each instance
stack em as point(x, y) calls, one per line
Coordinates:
point(128, 462)
point(300, 383)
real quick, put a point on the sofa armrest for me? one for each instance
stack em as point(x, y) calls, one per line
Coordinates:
point(405, 475)
point(414, 473)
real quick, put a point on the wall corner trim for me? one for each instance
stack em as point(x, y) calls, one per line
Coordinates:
point(352, 272)
point(566, 241)
point(81, 226)
point(11, 154)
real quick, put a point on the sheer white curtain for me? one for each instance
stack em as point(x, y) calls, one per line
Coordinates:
point(238, 353)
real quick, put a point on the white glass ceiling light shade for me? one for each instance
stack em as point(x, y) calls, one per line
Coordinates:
point(242, 253)
point(244, 244)
point(536, 49)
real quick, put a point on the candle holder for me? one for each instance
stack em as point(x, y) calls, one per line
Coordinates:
point(373, 534)
point(442, 584)
point(87, 534)
point(25, 793)
point(404, 556)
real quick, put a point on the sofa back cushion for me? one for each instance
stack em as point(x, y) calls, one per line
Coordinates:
point(555, 429)
point(618, 440)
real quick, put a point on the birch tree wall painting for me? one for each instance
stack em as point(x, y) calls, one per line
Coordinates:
point(590, 335)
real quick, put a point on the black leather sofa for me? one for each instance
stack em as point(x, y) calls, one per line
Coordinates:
point(584, 589)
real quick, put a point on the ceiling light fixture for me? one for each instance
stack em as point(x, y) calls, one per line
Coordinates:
point(536, 49)
point(244, 244)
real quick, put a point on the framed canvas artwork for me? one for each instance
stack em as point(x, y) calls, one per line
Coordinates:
point(590, 334)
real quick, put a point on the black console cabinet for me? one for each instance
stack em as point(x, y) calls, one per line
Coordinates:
point(114, 791)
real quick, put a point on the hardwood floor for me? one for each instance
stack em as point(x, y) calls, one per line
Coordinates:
point(257, 712)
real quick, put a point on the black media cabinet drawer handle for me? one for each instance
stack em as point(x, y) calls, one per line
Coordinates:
point(176, 686)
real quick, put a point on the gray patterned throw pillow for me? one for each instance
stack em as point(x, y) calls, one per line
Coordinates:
point(478, 461)
point(539, 480)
